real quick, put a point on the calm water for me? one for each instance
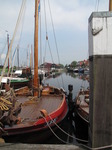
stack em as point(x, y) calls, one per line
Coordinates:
point(64, 79)
point(69, 125)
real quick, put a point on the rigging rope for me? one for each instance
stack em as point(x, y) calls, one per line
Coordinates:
point(50, 52)
point(55, 39)
point(10, 48)
point(97, 5)
point(5, 43)
point(47, 40)
point(22, 18)
point(54, 32)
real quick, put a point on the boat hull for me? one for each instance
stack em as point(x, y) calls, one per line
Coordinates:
point(40, 130)
point(82, 116)
point(82, 127)
point(34, 136)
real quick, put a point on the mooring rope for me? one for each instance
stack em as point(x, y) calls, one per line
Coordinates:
point(85, 146)
point(54, 132)
point(66, 132)
point(97, 148)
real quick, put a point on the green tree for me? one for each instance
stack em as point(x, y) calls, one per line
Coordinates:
point(61, 65)
point(73, 64)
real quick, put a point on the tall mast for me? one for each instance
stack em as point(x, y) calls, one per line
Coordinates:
point(31, 59)
point(8, 49)
point(36, 50)
point(110, 5)
point(18, 55)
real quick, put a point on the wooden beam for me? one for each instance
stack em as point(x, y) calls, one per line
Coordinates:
point(110, 5)
point(36, 50)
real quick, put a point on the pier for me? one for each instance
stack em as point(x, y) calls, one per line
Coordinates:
point(100, 57)
point(12, 146)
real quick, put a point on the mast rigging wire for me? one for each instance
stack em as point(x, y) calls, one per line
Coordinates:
point(47, 40)
point(10, 48)
point(55, 38)
point(97, 5)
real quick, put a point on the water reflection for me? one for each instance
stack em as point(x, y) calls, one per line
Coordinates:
point(70, 125)
point(64, 79)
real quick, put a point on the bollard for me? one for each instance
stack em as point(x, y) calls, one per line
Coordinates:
point(70, 100)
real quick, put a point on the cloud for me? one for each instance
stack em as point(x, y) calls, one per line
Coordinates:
point(9, 12)
point(72, 14)
point(69, 15)
point(70, 18)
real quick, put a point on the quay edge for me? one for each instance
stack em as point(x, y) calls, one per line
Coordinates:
point(12, 146)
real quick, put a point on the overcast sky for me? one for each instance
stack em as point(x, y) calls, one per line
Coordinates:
point(70, 19)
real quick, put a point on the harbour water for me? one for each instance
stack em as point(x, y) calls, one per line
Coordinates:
point(69, 126)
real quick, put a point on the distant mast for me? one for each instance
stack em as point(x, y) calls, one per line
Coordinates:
point(8, 49)
point(110, 5)
point(18, 55)
point(36, 50)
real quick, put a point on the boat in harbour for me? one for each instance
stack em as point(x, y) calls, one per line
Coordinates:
point(82, 115)
point(27, 115)
point(18, 79)
point(82, 105)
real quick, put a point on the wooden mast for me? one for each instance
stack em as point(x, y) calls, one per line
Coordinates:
point(36, 50)
point(8, 49)
point(18, 55)
point(110, 5)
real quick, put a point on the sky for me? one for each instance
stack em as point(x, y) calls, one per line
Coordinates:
point(68, 20)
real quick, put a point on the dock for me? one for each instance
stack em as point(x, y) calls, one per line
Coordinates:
point(15, 146)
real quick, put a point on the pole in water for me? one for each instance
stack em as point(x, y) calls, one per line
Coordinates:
point(70, 100)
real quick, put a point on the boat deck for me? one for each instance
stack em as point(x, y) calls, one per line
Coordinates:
point(30, 111)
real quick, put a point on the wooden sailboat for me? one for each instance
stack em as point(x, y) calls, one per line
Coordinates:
point(82, 115)
point(82, 105)
point(82, 99)
point(29, 114)
point(19, 78)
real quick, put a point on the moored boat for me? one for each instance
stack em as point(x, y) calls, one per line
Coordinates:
point(19, 78)
point(35, 117)
point(82, 105)
point(28, 114)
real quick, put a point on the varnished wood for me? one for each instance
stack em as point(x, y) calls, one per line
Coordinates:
point(36, 50)
point(110, 5)
point(82, 107)
point(30, 111)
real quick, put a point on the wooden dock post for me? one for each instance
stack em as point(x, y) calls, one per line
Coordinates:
point(70, 100)
point(100, 58)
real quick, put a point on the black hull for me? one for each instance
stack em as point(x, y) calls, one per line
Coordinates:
point(33, 137)
point(81, 128)
point(17, 85)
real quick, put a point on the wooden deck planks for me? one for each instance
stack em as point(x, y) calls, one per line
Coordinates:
point(30, 112)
